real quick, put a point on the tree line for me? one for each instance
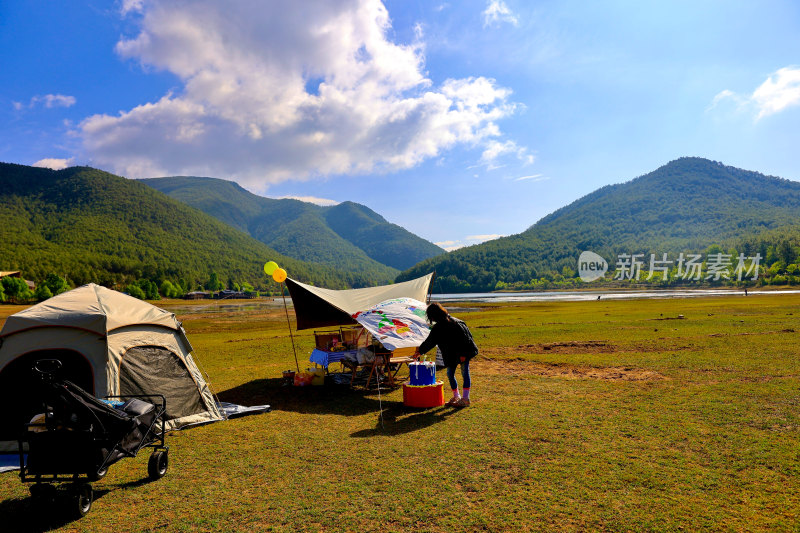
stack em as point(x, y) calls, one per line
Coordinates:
point(16, 290)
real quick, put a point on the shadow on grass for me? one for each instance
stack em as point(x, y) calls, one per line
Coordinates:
point(137, 483)
point(396, 423)
point(22, 514)
point(327, 399)
point(339, 400)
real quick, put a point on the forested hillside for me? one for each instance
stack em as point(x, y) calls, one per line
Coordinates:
point(688, 205)
point(348, 235)
point(87, 225)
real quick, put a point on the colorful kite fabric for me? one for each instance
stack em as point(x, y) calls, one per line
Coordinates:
point(396, 323)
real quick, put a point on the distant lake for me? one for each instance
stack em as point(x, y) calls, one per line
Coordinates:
point(577, 296)
point(245, 306)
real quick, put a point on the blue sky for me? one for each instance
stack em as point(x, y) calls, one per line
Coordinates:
point(460, 121)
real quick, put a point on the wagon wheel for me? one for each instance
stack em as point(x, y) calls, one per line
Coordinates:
point(157, 464)
point(80, 500)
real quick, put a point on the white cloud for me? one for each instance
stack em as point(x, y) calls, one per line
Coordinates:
point(48, 100)
point(53, 100)
point(55, 164)
point(131, 5)
point(497, 11)
point(290, 91)
point(467, 241)
point(780, 91)
point(721, 97)
point(312, 199)
point(419, 31)
point(483, 238)
point(533, 177)
point(495, 150)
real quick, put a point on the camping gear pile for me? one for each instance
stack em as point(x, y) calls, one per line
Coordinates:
point(77, 437)
point(312, 376)
point(393, 316)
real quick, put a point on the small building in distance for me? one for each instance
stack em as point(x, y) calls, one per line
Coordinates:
point(235, 295)
point(197, 295)
point(16, 274)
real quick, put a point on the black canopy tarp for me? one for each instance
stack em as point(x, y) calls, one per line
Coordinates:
point(315, 307)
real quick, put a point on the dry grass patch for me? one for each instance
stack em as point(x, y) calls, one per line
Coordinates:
point(566, 347)
point(520, 366)
point(747, 333)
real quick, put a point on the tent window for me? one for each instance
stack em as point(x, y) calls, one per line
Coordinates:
point(20, 395)
point(156, 370)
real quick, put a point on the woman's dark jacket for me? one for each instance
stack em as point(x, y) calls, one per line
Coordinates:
point(453, 337)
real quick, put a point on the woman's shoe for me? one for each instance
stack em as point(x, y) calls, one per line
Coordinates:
point(452, 401)
point(463, 402)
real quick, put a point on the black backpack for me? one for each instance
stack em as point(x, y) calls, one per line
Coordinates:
point(469, 347)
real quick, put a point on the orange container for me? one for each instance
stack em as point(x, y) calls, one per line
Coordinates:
point(302, 379)
point(423, 396)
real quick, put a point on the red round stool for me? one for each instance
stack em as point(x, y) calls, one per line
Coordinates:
point(423, 395)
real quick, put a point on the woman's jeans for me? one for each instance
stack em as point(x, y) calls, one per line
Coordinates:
point(451, 375)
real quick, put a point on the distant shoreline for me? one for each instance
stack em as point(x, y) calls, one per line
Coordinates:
point(604, 294)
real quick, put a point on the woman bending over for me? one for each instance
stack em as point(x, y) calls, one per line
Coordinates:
point(454, 339)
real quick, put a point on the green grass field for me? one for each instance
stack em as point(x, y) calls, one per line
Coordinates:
point(601, 415)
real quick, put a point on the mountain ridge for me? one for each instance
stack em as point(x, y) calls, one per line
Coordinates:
point(687, 204)
point(347, 234)
point(89, 225)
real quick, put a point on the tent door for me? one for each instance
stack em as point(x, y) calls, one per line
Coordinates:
point(157, 370)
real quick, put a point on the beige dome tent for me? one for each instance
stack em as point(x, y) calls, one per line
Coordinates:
point(109, 344)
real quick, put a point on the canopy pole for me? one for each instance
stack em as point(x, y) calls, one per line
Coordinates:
point(288, 322)
point(430, 289)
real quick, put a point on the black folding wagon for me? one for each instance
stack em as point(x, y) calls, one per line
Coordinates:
point(77, 437)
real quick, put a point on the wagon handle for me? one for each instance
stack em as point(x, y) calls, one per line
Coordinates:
point(46, 368)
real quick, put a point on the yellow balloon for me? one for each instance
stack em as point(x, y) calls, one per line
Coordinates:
point(269, 267)
point(279, 275)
